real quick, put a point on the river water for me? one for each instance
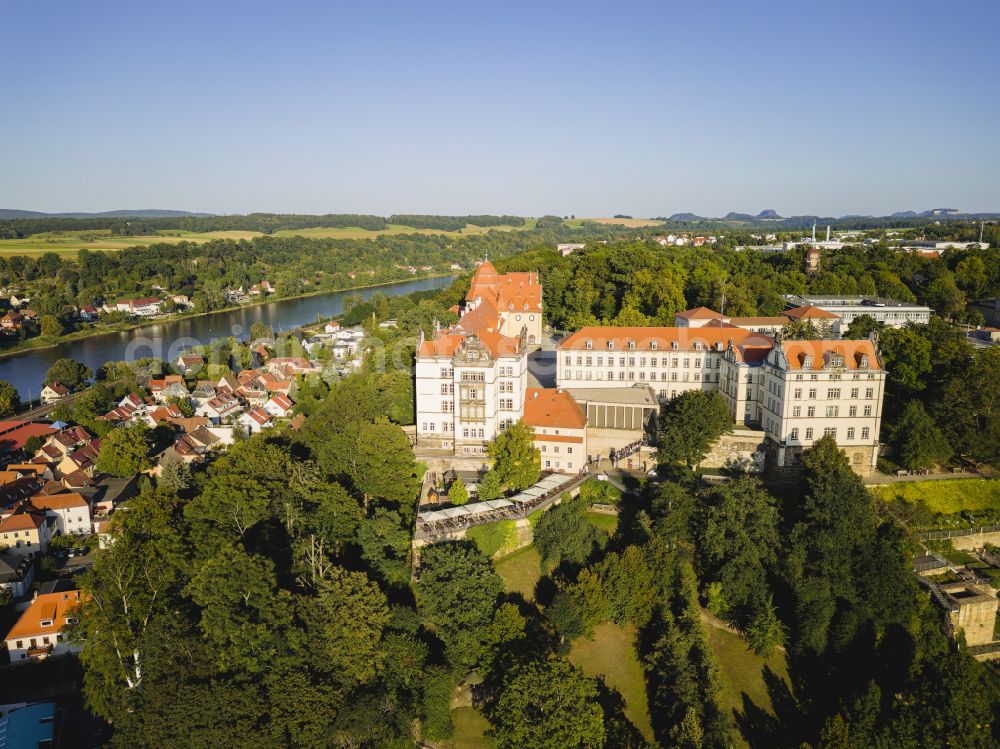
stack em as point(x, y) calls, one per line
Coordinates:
point(26, 370)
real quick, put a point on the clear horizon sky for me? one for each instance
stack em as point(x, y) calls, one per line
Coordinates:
point(644, 108)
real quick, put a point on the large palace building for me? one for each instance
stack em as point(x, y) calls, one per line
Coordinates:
point(795, 391)
point(471, 379)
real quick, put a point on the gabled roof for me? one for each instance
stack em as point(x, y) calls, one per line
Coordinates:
point(282, 401)
point(700, 313)
point(814, 355)
point(809, 312)
point(552, 407)
point(50, 608)
point(62, 501)
point(22, 520)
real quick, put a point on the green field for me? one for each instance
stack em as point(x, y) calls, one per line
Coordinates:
point(610, 654)
point(521, 571)
point(946, 496)
point(602, 521)
point(741, 672)
point(470, 727)
point(69, 242)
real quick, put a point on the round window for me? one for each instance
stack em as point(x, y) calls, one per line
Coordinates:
point(518, 317)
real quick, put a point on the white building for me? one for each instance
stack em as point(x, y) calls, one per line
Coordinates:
point(38, 632)
point(890, 312)
point(795, 391)
point(70, 510)
point(471, 379)
point(560, 427)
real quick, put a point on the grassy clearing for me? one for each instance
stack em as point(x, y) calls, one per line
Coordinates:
point(470, 729)
point(602, 521)
point(631, 223)
point(610, 654)
point(741, 671)
point(521, 571)
point(947, 495)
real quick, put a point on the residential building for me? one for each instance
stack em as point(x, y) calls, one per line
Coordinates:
point(560, 428)
point(255, 420)
point(16, 574)
point(54, 392)
point(190, 362)
point(220, 409)
point(890, 312)
point(70, 510)
point(25, 532)
point(471, 379)
point(279, 405)
point(144, 307)
point(38, 633)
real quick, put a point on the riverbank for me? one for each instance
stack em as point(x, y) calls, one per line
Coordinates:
point(44, 342)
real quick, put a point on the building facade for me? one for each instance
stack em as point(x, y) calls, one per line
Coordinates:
point(560, 427)
point(471, 379)
point(890, 312)
point(794, 391)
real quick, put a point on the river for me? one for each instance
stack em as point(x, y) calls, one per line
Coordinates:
point(26, 370)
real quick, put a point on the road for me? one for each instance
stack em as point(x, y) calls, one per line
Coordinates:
point(39, 412)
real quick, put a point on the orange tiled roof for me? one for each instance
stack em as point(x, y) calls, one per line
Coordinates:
point(21, 521)
point(58, 501)
point(699, 313)
point(820, 351)
point(47, 607)
point(809, 312)
point(664, 338)
point(552, 407)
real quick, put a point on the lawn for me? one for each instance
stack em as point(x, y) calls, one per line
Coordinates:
point(741, 671)
point(603, 521)
point(470, 727)
point(521, 571)
point(946, 496)
point(610, 654)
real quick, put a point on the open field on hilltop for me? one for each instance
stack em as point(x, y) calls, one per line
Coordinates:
point(69, 242)
point(946, 496)
point(610, 654)
point(741, 672)
point(631, 223)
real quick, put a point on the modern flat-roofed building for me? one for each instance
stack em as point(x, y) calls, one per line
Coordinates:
point(890, 312)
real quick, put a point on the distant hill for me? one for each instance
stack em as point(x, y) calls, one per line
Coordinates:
point(904, 214)
point(13, 213)
point(768, 213)
point(734, 216)
point(685, 217)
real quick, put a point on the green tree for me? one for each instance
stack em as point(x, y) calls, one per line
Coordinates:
point(765, 631)
point(907, 357)
point(124, 451)
point(861, 327)
point(564, 532)
point(457, 592)
point(175, 474)
point(690, 424)
point(10, 400)
point(70, 373)
point(516, 460)
point(918, 441)
point(549, 704)
point(260, 330)
point(944, 295)
point(51, 326)
point(489, 487)
point(457, 493)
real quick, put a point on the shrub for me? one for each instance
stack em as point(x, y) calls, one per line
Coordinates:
point(494, 538)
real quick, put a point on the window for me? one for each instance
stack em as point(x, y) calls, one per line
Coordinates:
point(833, 393)
point(568, 360)
point(854, 392)
point(590, 344)
point(832, 411)
point(864, 433)
point(579, 361)
point(850, 433)
point(631, 344)
point(652, 345)
point(852, 411)
point(868, 410)
point(869, 393)
point(611, 344)
point(590, 360)
point(812, 393)
point(796, 410)
point(811, 411)
point(798, 393)
point(830, 432)
point(809, 433)
point(795, 434)
point(631, 361)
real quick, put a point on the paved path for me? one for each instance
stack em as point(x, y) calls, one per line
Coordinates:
point(882, 478)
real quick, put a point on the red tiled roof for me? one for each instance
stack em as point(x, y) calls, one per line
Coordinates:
point(809, 312)
point(819, 351)
point(664, 338)
point(699, 313)
point(552, 407)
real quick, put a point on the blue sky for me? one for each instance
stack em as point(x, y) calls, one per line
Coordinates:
point(527, 108)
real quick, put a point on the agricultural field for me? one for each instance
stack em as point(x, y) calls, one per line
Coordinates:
point(69, 242)
point(630, 223)
point(946, 496)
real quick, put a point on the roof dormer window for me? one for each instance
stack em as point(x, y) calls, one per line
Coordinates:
point(631, 344)
point(652, 345)
point(590, 344)
point(611, 344)
point(697, 345)
point(673, 345)
point(526, 305)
